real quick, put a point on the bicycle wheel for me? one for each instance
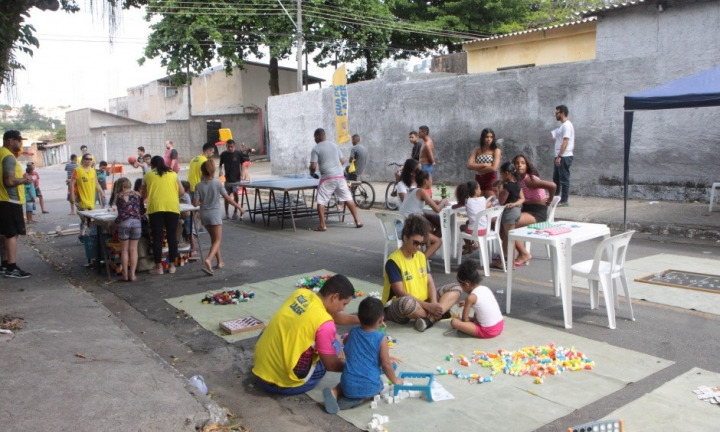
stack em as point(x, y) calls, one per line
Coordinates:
point(392, 202)
point(364, 195)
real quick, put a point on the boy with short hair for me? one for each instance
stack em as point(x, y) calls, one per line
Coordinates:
point(102, 173)
point(366, 355)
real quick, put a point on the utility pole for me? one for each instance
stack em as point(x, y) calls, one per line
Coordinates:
point(298, 27)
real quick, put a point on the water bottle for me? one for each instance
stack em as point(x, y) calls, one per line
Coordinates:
point(198, 382)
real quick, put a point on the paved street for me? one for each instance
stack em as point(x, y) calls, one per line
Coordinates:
point(254, 253)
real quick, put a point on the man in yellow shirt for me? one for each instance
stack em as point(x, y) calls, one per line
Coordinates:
point(300, 342)
point(84, 184)
point(12, 198)
point(409, 289)
point(194, 175)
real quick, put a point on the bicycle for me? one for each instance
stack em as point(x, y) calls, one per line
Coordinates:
point(363, 193)
point(392, 202)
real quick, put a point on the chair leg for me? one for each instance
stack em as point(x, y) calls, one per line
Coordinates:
point(606, 284)
point(624, 282)
point(594, 295)
point(484, 256)
point(502, 254)
point(547, 250)
point(458, 246)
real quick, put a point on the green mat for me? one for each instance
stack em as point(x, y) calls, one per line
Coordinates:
point(269, 296)
point(507, 403)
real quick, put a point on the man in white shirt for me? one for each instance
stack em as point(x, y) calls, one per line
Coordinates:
point(564, 138)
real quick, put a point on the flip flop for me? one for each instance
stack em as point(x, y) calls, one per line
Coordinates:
point(498, 266)
point(331, 404)
point(208, 272)
point(520, 264)
point(318, 229)
point(347, 403)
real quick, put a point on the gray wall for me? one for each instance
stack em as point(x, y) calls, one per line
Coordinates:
point(188, 136)
point(637, 48)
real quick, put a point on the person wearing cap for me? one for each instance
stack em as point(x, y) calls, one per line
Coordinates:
point(12, 198)
point(36, 182)
point(83, 186)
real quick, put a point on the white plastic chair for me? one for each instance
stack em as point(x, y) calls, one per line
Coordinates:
point(605, 273)
point(550, 218)
point(712, 193)
point(491, 234)
point(389, 223)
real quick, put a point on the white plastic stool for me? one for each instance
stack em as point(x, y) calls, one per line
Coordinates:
point(712, 193)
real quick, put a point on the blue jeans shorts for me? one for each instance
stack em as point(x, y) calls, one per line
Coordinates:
point(130, 229)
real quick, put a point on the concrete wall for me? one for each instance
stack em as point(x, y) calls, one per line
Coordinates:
point(672, 150)
point(188, 136)
point(555, 45)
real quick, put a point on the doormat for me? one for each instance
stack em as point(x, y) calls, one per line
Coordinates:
point(684, 279)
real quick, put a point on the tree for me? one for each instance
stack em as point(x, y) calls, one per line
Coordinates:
point(61, 134)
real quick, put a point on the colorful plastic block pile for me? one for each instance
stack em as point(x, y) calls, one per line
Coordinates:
point(315, 283)
point(536, 361)
point(228, 297)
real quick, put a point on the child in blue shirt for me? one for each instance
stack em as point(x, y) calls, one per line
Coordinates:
point(30, 196)
point(367, 356)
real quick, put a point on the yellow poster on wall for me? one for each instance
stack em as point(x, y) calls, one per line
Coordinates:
point(340, 99)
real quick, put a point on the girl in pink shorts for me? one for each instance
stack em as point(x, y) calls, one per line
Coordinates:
point(487, 321)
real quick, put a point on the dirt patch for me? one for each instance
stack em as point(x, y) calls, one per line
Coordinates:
point(11, 323)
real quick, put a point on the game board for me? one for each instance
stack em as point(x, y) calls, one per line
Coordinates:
point(241, 325)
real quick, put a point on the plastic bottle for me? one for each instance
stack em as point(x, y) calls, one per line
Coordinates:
point(198, 382)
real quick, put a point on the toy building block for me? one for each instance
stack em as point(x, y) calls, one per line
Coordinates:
point(600, 425)
point(427, 388)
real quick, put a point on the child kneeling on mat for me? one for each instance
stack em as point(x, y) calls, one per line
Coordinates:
point(366, 356)
point(488, 321)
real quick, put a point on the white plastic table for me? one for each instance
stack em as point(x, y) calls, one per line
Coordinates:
point(447, 229)
point(560, 255)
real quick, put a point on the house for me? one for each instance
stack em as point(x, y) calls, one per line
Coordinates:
point(158, 111)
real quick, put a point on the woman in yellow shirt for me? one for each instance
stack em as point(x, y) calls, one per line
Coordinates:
point(163, 190)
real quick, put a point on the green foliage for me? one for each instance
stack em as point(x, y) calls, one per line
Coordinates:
point(61, 134)
point(30, 119)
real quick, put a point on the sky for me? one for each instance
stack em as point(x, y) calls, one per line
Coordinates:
point(76, 65)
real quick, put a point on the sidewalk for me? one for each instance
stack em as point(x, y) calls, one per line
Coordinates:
point(74, 367)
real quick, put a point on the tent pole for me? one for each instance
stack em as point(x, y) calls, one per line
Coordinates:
point(626, 163)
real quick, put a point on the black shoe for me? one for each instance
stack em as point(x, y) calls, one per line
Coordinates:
point(446, 315)
point(16, 273)
point(422, 324)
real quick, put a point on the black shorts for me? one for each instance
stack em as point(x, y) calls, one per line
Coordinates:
point(538, 211)
point(231, 189)
point(37, 192)
point(12, 220)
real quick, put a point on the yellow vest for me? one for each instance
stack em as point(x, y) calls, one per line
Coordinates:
point(195, 175)
point(4, 195)
point(85, 189)
point(162, 192)
point(290, 332)
point(414, 276)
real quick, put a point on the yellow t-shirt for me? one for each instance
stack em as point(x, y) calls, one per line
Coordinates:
point(162, 192)
point(4, 195)
point(290, 332)
point(85, 187)
point(414, 276)
point(195, 175)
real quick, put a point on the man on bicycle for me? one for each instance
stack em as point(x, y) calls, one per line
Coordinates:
point(358, 155)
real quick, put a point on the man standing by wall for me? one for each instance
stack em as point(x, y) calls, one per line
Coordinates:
point(171, 157)
point(12, 221)
point(232, 160)
point(69, 170)
point(417, 146)
point(326, 157)
point(359, 155)
point(564, 138)
point(194, 173)
point(427, 153)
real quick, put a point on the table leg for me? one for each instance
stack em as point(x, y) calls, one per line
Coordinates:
point(286, 197)
point(554, 262)
point(510, 264)
point(447, 241)
point(565, 267)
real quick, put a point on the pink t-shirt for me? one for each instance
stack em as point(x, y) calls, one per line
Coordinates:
point(532, 194)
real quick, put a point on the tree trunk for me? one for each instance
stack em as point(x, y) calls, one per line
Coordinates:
point(370, 69)
point(274, 77)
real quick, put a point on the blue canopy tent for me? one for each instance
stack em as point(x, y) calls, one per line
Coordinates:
point(694, 91)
